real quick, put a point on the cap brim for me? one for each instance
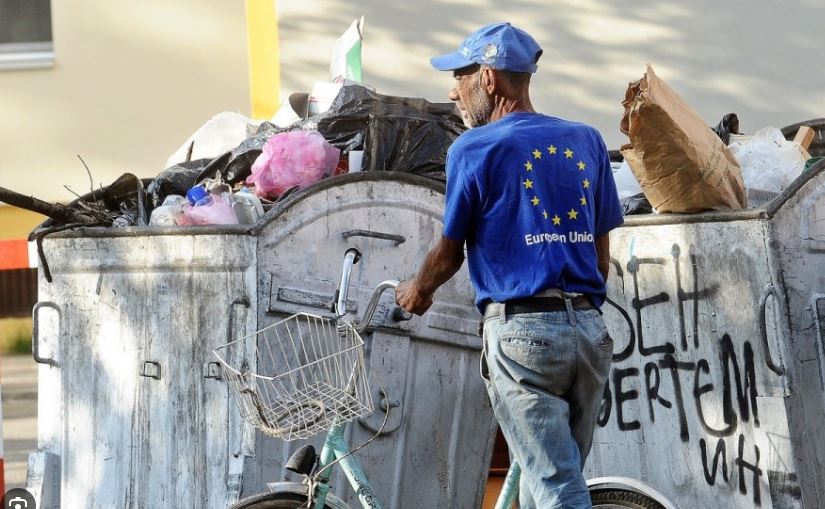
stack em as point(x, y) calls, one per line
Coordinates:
point(450, 62)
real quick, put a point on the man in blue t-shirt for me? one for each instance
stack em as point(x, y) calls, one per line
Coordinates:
point(533, 199)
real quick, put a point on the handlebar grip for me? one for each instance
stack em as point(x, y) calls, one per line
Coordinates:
point(400, 314)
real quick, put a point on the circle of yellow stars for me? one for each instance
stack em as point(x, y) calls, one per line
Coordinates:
point(552, 150)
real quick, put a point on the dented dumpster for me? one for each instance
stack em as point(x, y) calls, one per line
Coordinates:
point(716, 397)
point(134, 412)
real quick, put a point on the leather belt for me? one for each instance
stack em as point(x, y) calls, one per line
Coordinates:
point(534, 305)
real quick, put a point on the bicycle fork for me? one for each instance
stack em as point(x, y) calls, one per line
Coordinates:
point(336, 450)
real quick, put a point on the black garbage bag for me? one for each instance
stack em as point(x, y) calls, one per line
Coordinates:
point(178, 179)
point(402, 134)
point(727, 126)
point(636, 204)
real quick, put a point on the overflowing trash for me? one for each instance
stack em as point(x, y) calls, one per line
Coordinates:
point(681, 165)
point(769, 162)
point(232, 169)
point(290, 159)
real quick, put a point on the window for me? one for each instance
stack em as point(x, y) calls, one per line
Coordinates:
point(25, 34)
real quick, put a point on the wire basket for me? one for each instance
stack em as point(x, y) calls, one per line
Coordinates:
point(310, 375)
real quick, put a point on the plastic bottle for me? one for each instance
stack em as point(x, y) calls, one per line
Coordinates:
point(195, 194)
point(247, 207)
point(170, 212)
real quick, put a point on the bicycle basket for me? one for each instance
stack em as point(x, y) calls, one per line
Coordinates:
point(310, 375)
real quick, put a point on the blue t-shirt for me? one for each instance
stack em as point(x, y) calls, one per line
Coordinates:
point(530, 194)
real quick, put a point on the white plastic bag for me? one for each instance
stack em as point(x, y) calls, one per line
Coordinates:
point(221, 133)
point(626, 183)
point(769, 162)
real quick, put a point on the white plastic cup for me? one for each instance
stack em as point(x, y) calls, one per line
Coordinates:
point(355, 159)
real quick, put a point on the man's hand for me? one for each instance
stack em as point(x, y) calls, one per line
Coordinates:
point(408, 297)
point(442, 261)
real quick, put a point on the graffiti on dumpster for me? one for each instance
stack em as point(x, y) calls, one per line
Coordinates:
point(668, 376)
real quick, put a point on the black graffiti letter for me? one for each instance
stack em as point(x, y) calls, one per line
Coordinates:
point(745, 395)
point(682, 296)
point(621, 396)
point(631, 343)
point(638, 304)
point(670, 363)
point(653, 390)
point(702, 366)
point(721, 451)
point(754, 468)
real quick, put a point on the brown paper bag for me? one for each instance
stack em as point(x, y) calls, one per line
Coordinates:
point(680, 163)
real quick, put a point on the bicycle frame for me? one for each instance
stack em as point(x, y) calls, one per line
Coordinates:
point(336, 448)
point(509, 491)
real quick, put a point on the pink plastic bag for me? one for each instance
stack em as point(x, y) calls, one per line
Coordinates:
point(218, 211)
point(294, 158)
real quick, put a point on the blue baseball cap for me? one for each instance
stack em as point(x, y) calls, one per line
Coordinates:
point(500, 46)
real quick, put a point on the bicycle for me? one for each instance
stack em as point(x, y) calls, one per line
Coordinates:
point(321, 385)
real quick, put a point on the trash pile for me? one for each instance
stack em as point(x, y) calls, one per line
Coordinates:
point(361, 131)
point(675, 163)
point(233, 169)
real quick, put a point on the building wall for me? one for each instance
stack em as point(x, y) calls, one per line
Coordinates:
point(130, 83)
point(757, 59)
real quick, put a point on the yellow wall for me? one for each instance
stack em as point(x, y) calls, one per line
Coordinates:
point(131, 82)
point(17, 223)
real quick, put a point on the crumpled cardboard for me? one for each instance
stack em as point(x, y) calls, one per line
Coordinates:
point(680, 163)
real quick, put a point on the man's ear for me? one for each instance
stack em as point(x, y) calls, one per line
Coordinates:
point(488, 80)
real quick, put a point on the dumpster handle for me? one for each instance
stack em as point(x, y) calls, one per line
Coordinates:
point(763, 330)
point(230, 323)
point(397, 239)
point(386, 404)
point(36, 329)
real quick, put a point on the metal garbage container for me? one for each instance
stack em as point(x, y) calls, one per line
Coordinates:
point(716, 396)
point(437, 444)
point(133, 411)
point(131, 408)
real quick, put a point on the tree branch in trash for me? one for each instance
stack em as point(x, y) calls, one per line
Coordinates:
point(55, 211)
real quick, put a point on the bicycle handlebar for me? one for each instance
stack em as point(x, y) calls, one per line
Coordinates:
point(373, 304)
point(351, 257)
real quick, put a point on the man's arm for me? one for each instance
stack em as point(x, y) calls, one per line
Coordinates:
point(603, 254)
point(442, 262)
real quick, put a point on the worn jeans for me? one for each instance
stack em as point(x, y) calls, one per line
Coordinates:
point(545, 374)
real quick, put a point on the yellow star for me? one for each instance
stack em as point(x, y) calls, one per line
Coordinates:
point(535, 200)
point(528, 184)
point(583, 200)
point(572, 214)
point(545, 214)
point(568, 154)
point(556, 220)
point(537, 154)
point(551, 149)
point(582, 166)
point(586, 183)
point(529, 166)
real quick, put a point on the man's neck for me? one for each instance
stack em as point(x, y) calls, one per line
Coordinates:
point(505, 105)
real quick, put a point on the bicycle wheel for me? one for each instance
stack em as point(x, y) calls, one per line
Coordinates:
point(274, 501)
point(617, 498)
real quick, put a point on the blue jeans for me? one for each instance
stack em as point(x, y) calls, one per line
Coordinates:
point(545, 374)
